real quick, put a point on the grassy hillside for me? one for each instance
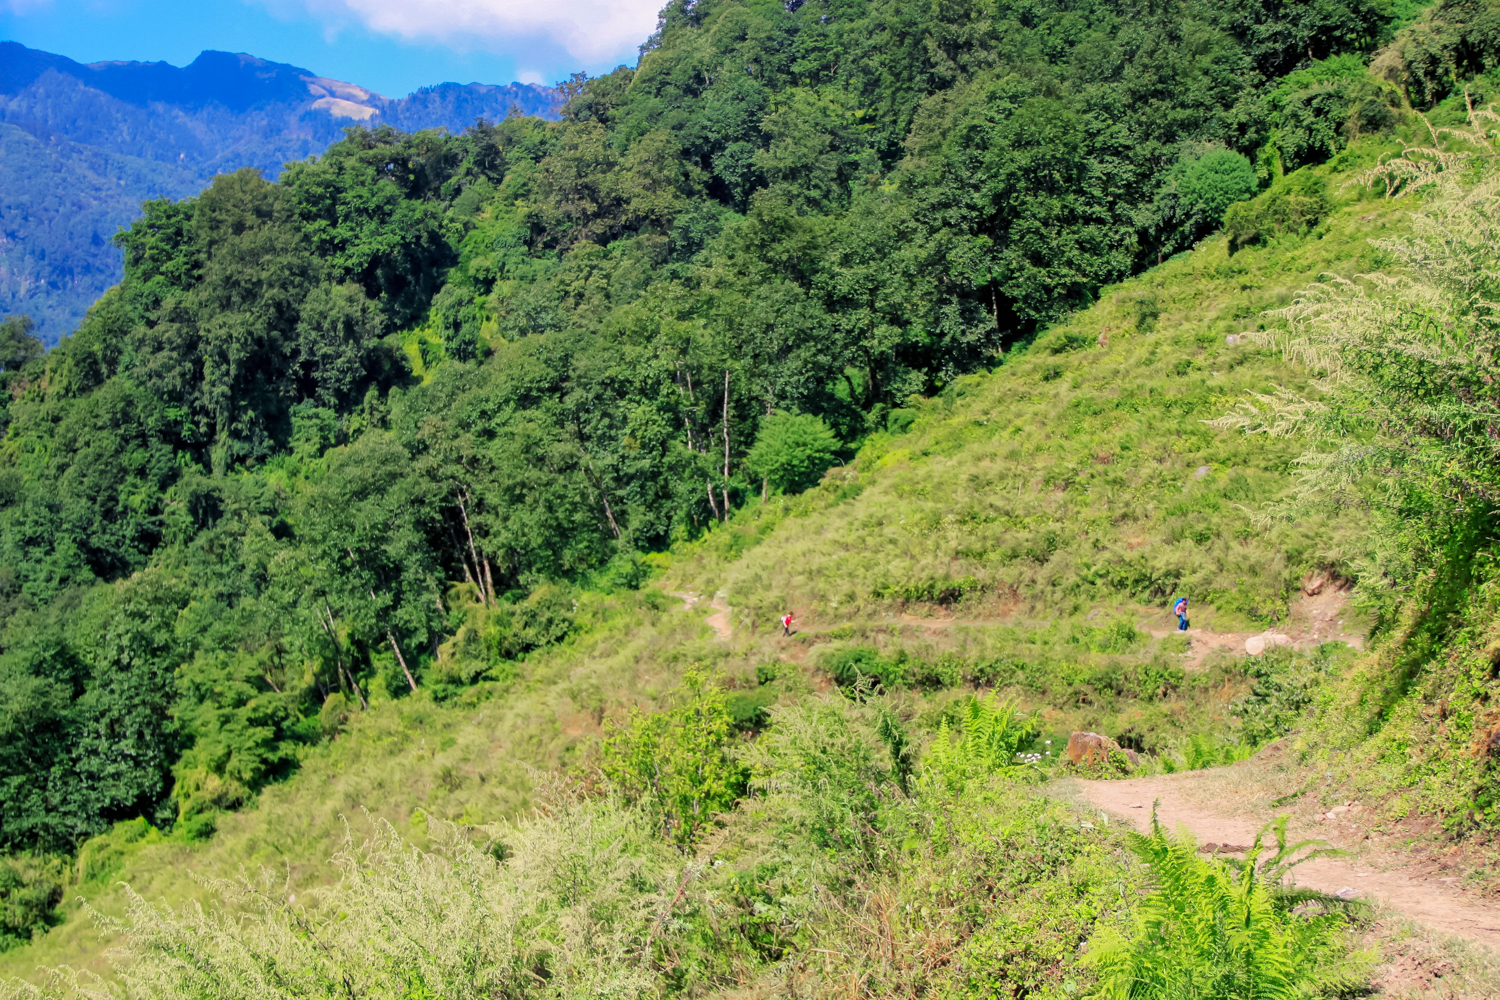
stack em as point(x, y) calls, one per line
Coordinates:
point(408, 535)
point(1021, 533)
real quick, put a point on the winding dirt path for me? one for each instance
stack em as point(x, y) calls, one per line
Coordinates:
point(1186, 801)
point(718, 621)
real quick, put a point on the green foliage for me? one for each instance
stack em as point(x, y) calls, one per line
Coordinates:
point(1293, 205)
point(823, 773)
point(1199, 189)
point(678, 763)
point(243, 735)
point(862, 669)
point(791, 451)
point(31, 886)
point(1398, 431)
point(346, 456)
point(1320, 109)
point(1218, 928)
point(101, 857)
point(1199, 751)
point(509, 357)
point(1451, 43)
point(994, 737)
point(1284, 687)
point(569, 903)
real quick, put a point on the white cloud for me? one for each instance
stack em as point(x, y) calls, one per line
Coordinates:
point(21, 7)
point(590, 31)
point(530, 76)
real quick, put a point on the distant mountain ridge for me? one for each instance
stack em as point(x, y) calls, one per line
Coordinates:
point(81, 145)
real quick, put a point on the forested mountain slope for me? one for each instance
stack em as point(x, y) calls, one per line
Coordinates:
point(369, 484)
point(1015, 534)
point(82, 145)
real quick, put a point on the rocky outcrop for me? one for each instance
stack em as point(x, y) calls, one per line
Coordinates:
point(1093, 750)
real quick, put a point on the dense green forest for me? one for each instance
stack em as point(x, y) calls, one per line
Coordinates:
point(413, 422)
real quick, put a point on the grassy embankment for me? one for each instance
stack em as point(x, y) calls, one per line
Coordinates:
point(1018, 535)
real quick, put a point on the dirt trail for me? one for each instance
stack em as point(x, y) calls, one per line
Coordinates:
point(1405, 888)
point(1312, 619)
point(718, 621)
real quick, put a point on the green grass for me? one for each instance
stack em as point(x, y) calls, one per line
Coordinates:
point(1050, 509)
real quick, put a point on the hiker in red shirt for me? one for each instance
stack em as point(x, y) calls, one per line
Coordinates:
point(786, 624)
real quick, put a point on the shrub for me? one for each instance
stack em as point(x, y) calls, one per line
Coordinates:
point(677, 763)
point(1283, 687)
point(1295, 204)
point(818, 774)
point(31, 886)
point(861, 669)
point(1224, 929)
point(1319, 109)
point(1211, 183)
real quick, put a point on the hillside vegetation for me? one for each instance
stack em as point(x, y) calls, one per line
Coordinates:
point(1053, 621)
point(368, 487)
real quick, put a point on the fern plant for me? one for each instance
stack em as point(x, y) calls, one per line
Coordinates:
point(1215, 929)
point(994, 738)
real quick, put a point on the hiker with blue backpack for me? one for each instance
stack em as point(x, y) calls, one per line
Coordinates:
point(1180, 610)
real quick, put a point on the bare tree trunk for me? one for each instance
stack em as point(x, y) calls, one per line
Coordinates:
point(609, 513)
point(725, 490)
point(489, 577)
point(603, 496)
point(711, 504)
point(765, 487)
point(388, 633)
point(267, 676)
point(338, 659)
point(726, 429)
point(463, 511)
point(399, 658)
point(468, 574)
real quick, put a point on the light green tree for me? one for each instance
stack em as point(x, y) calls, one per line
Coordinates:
point(792, 451)
point(678, 762)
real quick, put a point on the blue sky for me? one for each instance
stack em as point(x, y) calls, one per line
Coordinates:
point(390, 46)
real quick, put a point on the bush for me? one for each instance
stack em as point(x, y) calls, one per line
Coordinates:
point(30, 888)
point(792, 451)
point(1211, 183)
point(677, 763)
point(1320, 109)
point(1283, 685)
point(1295, 204)
point(818, 774)
point(861, 669)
